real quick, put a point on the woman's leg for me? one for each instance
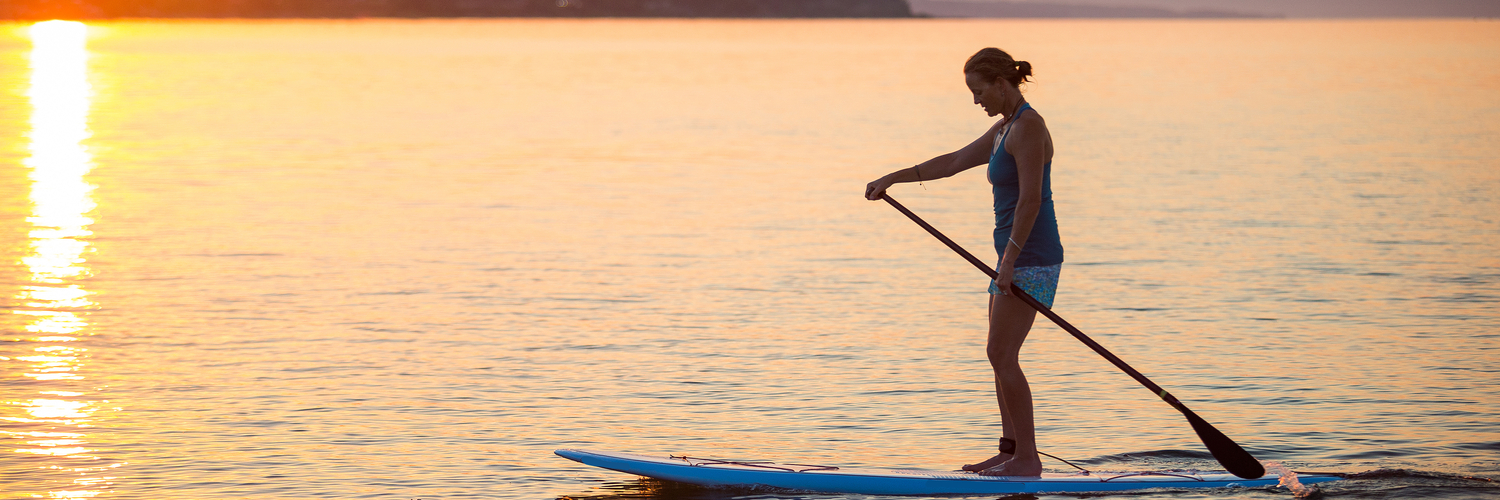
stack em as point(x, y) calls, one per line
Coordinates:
point(1007, 424)
point(1010, 321)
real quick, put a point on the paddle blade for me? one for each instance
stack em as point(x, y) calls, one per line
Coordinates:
point(1229, 454)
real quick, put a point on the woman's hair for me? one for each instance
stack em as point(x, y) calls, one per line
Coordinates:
point(991, 63)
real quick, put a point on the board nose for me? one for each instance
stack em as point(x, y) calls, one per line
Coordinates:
point(574, 455)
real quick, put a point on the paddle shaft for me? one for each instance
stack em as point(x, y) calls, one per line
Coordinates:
point(1035, 304)
point(1234, 456)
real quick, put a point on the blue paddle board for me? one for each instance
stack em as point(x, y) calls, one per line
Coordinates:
point(711, 472)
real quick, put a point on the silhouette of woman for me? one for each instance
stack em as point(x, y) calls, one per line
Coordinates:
point(1018, 150)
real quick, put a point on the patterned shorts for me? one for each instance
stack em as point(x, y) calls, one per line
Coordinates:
point(1040, 282)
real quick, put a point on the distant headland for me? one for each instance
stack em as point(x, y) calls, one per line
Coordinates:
point(103, 9)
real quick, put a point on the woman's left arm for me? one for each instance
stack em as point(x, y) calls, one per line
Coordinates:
point(1028, 143)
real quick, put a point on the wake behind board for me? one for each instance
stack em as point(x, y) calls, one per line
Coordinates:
point(710, 472)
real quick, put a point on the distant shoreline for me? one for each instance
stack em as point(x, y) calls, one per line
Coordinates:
point(667, 9)
point(346, 9)
point(36, 10)
point(647, 18)
point(683, 18)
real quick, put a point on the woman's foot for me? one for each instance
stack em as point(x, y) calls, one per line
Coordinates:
point(1016, 467)
point(1007, 448)
point(993, 461)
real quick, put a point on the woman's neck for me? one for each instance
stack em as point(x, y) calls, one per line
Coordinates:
point(1015, 108)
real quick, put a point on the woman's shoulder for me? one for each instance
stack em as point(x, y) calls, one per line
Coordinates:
point(1028, 122)
point(1031, 116)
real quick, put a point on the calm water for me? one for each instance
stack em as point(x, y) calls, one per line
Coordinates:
point(408, 259)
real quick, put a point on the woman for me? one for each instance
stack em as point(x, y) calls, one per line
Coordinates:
point(1018, 150)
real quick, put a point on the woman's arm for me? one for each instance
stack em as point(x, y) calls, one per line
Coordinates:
point(975, 154)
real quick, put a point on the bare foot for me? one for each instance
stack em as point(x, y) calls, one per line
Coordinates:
point(993, 461)
point(1031, 466)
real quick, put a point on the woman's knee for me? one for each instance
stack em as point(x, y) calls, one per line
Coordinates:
point(1002, 355)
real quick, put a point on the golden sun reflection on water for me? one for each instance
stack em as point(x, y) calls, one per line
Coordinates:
point(52, 422)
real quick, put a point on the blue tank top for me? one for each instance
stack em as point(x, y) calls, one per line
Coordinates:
point(1043, 245)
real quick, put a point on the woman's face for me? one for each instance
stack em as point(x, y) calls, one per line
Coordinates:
point(989, 95)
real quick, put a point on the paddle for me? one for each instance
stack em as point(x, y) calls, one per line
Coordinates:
point(1234, 458)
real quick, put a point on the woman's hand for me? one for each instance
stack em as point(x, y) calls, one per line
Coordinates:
point(1005, 274)
point(876, 188)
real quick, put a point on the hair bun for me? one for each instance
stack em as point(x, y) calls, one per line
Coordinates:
point(991, 63)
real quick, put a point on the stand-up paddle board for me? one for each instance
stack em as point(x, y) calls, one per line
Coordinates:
point(820, 478)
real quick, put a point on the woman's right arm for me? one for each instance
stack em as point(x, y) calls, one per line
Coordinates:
point(975, 154)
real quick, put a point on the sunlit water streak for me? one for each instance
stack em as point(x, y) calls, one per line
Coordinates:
point(408, 259)
point(54, 424)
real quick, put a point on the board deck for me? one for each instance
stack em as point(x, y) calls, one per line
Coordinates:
point(711, 472)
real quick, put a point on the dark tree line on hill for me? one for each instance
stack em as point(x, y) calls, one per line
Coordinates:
point(96, 9)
